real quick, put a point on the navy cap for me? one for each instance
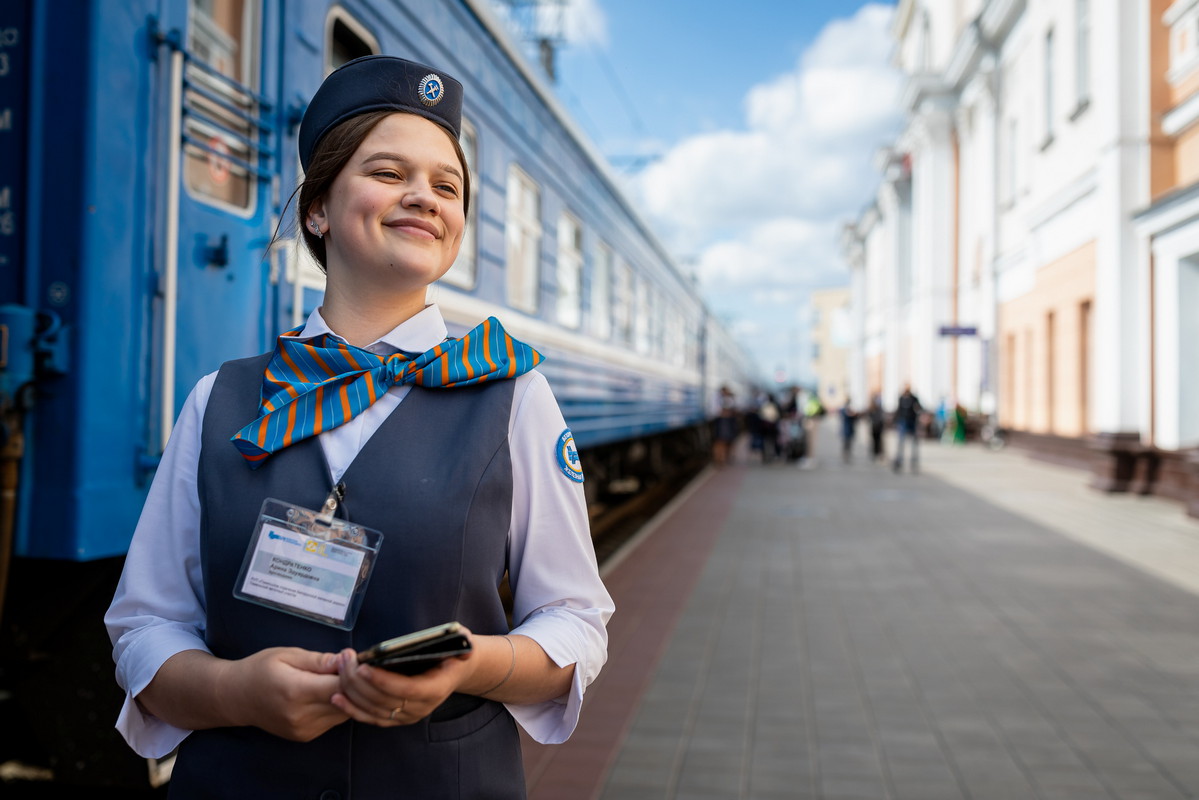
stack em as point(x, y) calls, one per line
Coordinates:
point(380, 83)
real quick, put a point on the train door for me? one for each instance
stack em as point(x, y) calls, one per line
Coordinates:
point(345, 38)
point(216, 293)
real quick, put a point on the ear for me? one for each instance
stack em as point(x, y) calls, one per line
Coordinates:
point(316, 213)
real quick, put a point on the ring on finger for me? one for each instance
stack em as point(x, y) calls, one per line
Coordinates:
point(398, 709)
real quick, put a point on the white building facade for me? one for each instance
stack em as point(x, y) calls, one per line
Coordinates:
point(1033, 252)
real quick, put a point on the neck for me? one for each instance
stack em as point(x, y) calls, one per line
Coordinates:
point(362, 317)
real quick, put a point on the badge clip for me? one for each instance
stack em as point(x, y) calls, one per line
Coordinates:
point(308, 562)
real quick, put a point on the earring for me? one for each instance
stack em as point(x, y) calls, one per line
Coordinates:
point(316, 229)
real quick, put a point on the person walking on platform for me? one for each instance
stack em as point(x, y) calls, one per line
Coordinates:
point(849, 422)
point(907, 418)
point(724, 427)
point(368, 478)
point(768, 419)
point(878, 421)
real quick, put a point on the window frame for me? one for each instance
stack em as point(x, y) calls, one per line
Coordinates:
point(464, 274)
point(600, 298)
point(1082, 56)
point(1049, 47)
point(249, 60)
point(522, 228)
point(569, 271)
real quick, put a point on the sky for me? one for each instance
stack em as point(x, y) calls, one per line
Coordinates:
point(745, 133)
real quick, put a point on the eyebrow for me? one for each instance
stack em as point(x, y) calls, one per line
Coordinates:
point(450, 168)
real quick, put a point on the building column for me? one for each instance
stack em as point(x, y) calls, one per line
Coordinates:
point(932, 247)
point(1120, 324)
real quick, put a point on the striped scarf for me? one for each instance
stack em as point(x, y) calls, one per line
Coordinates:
point(314, 385)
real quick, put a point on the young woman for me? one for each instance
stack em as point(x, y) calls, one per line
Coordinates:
point(454, 451)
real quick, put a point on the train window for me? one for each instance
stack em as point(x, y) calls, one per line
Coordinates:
point(676, 339)
point(220, 136)
point(641, 316)
point(523, 235)
point(622, 304)
point(464, 271)
point(601, 292)
point(570, 271)
point(346, 39)
point(691, 341)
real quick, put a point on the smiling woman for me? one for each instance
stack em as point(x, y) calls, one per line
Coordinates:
point(243, 655)
point(391, 222)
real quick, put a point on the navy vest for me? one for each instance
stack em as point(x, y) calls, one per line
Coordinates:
point(436, 479)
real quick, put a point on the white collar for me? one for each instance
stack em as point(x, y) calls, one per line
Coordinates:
point(416, 334)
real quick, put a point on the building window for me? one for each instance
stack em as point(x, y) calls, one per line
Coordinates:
point(219, 129)
point(465, 269)
point(1082, 55)
point(926, 43)
point(1011, 177)
point(570, 271)
point(1084, 366)
point(523, 235)
point(1050, 374)
point(1183, 19)
point(601, 292)
point(1048, 89)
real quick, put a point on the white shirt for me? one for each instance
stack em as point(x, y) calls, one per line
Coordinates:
point(558, 598)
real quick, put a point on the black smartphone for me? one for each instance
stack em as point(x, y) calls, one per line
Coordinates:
point(413, 653)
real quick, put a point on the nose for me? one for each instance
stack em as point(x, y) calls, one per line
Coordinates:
point(420, 195)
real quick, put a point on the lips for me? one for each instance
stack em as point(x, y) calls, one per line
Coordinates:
point(416, 226)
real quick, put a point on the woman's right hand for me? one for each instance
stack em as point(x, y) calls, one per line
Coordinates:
point(285, 691)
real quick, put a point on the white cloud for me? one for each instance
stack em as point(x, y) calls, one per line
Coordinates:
point(584, 24)
point(581, 23)
point(760, 209)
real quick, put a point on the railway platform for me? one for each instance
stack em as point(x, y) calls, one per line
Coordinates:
point(988, 628)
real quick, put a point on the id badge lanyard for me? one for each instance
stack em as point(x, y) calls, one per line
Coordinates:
point(309, 563)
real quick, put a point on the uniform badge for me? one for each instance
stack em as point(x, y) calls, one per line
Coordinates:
point(568, 457)
point(431, 90)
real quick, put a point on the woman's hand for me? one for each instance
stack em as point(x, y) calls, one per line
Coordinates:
point(285, 691)
point(377, 696)
point(509, 669)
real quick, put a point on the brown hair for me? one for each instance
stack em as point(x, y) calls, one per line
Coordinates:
point(329, 157)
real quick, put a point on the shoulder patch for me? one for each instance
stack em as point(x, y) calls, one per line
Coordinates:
point(568, 457)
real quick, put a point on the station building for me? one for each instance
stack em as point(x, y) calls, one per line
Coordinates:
point(1033, 248)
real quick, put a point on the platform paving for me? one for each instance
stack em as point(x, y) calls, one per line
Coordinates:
point(988, 628)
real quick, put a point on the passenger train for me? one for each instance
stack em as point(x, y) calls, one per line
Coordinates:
point(149, 157)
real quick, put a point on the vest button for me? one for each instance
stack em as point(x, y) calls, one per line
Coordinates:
point(329, 794)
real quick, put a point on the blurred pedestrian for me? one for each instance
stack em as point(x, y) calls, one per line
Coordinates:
point(878, 421)
point(907, 417)
point(849, 423)
point(768, 414)
point(959, 423)
point(725, 427)
point(813, 412)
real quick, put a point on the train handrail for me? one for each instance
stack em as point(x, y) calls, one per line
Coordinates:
point(216, 99)
point(174, 42)
point(257, 172)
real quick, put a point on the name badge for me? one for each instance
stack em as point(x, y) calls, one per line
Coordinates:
point(308, 563)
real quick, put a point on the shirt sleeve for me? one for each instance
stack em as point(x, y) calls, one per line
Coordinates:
point(559, 600)
point(159, 608)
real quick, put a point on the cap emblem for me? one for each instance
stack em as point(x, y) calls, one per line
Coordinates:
point(431, 90)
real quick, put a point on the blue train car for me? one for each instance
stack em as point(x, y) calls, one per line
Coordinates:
point(146, 237)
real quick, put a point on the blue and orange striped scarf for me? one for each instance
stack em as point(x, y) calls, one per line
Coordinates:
point(316, 384)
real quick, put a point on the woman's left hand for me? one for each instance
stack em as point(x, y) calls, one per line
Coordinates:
point(380, 697)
